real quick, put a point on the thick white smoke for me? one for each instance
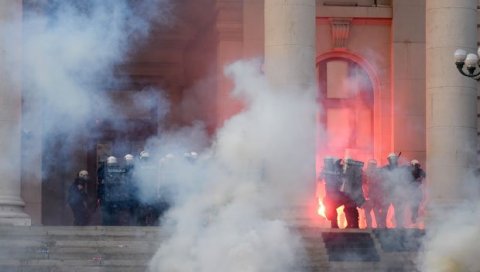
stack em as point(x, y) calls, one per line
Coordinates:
point(227, 213)
point(70, 52)
point(451, 243)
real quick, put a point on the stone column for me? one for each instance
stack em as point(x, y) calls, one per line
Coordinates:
point(290, 43)
point(451, 99)
point(408, 79)
point(11, 204)
point(290, 48)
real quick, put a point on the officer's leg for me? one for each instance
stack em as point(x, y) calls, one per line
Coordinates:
point(399, 209)
point(350, 210)
point(132, 213)
point(107, 214)
point(141, 215)
point(415, 205)
point(331, 212)
point(83, 215)
point(115, 214)
point(380, 211)
point(351, 213)
point(368, 208)
point(76, 215)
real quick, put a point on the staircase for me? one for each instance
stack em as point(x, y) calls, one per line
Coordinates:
point(77, 249)
point(129, 249)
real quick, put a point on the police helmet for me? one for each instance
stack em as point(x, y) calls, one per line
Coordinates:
point(392, 155)
point(128, 157)
point(83, 174)
point(111, 160)
point(144, 155)
point(392, 159)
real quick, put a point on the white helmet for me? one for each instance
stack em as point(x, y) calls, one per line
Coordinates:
point(414, 162)
point(392, 155)
point(83, 174)
point(144, 154)
point(111, 160)
point(128, 157)
point(392, 159)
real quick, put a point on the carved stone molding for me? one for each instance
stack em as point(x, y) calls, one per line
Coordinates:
point(340, 32)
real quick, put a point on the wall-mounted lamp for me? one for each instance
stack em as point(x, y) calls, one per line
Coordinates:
point(470, 61)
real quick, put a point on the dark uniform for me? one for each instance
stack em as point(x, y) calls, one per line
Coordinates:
point(375, 194)
point(396, 180)
point(418, 175)
point(353, 188)
point(77, 199)
point(133, 201)
point(113, 194)
point(333, 176)
point(150, 208)
point(101, 190)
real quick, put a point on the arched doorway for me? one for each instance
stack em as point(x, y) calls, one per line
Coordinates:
point(346, 118)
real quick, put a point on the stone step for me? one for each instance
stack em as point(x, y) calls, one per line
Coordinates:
point(46, 255)
point(28, 268)
point(77, 243)
point(74, 262)
point(66, 249)
point(88, 230)
point(129, 249)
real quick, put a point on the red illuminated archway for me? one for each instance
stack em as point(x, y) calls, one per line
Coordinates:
point(375, 88)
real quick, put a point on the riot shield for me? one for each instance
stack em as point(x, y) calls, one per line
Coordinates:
point(115, 183)
point(353, 181)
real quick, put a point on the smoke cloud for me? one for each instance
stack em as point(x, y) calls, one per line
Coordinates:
point(70, 52)
point(227, 213)
point(452, 231)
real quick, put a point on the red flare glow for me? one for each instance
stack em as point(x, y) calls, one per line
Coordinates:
point(321, 208)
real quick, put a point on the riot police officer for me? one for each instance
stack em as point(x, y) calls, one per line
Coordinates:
point(113, 193)
point(353, 188)
point(418, 175)
point(133, 201)
point(397, 188)
point(78, 197)
point(374, 191)
point(333, 176)
point(146, 176)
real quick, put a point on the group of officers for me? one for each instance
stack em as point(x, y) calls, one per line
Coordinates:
point(128, 192)
point(374, 190)
point(132, 192)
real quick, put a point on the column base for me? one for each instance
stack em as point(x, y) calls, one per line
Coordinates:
point(11, 212)
point(15, 221)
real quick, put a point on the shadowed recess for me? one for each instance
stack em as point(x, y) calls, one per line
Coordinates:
point(399, 240)
point(354, 247)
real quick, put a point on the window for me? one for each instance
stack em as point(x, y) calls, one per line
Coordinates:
point(346, 94)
